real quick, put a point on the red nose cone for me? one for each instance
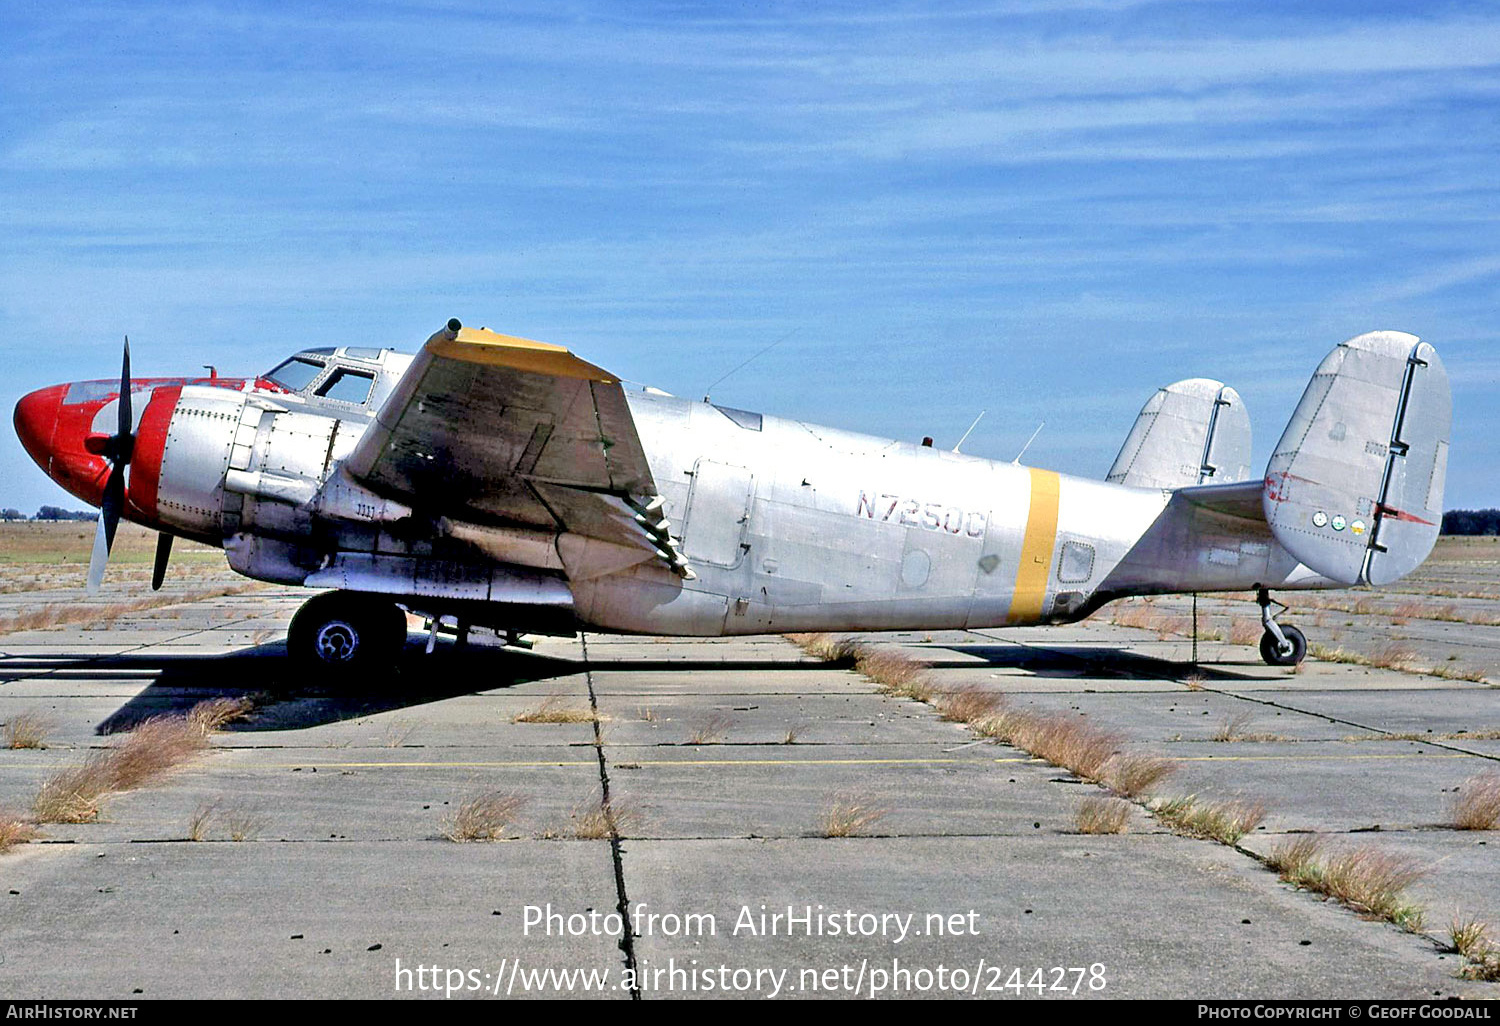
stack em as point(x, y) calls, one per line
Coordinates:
point(36, 422)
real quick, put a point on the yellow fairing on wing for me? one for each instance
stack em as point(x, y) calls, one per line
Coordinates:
point(491, 349)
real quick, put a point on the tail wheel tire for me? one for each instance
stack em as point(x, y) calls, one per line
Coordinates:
point(346, 630)
point(1276, 654)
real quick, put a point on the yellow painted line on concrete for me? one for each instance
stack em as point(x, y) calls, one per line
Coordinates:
point(1036, 548)
point(626, 761)
point(1324, 758)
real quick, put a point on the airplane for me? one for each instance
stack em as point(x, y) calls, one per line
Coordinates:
point(500, 483)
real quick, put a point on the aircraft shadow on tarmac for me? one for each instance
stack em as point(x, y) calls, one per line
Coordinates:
point(1101, 663)
point(289, 697)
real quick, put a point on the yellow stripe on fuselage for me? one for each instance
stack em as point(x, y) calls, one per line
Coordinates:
point(1036, 548)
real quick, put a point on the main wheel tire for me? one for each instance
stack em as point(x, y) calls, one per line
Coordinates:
point(1275, 655)
point(346, 630)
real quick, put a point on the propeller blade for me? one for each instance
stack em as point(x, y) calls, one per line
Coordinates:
point(125, 418)
point(109, 520)
point(163, 553)
point(98, 557)
point(113, 502)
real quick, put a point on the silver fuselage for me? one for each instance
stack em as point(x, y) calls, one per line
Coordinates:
point(797, 527)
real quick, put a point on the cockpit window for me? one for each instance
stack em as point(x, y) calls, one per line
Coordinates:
point(296, 374)
point(348, 386)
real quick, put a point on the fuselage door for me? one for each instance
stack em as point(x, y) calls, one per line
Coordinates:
point(718, 514)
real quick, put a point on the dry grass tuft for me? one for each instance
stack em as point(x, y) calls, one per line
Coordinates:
point(1100, 815)
point(1131, 774)
point(73, 795)
point(1233, 727)
point(105, 614)
point(1367, 880)
point(1469, 938)
point(849, 815)
point(1245, 632)
point(243, 824)
point(1168, 626)
point(218, 713)
point(1193, 682)
point(968, 705)
point(1293, 855)
point(1140, 615)
point(1458, 673)
point(1486, 969)
point(1477, 804)
point(552, 710)
point(399, 733)
point(1412, 609)
point(828, 647)
point(606, 820)
point(27, 730)
point(200, 819)
point(1394, 656)
point(895, 672)
point(153, 748)
point(14, 831)
point(1058, 738)
point(483, 817)
point(144, 755)
point(1224, 821)
point(711, 730)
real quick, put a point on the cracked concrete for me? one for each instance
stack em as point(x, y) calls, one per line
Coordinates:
point(348, 784)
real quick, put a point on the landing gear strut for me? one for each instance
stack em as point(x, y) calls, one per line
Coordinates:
point(346, 629)
point(1281, 644)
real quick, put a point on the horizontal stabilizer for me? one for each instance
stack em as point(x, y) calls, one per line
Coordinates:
point(1354, 488)
point(1190, 433)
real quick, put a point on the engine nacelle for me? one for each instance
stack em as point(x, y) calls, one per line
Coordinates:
point(211, 430)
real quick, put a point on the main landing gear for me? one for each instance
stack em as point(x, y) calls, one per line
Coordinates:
point(1281, 644)
point(347, 629)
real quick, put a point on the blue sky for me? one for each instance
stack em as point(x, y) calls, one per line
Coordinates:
point(1040, 208)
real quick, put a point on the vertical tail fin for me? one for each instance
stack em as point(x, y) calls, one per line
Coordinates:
point(1354, 489)
point(1189, 433)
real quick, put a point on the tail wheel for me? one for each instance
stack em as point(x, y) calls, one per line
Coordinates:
point(346, 630)
point(1290, 654)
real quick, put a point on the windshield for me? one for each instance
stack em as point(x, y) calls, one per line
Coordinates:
point(296, 374)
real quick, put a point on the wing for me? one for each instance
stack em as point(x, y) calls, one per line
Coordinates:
point(495, 428)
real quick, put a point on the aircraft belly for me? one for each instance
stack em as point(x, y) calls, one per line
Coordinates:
point(650, 602)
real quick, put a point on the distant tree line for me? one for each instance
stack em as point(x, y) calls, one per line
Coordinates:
point(1471, 521)
point(50, 513)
